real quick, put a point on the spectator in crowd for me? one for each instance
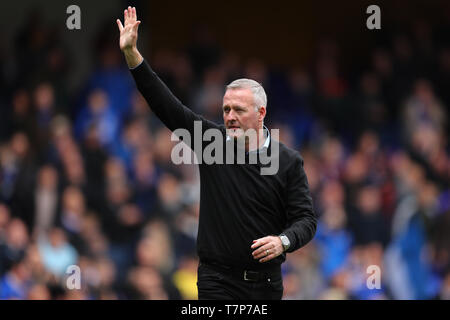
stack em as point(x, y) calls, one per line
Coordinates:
point(16, 282)
point(99, 113)
point(46, 200)
point(14, 244)
point(57, 254)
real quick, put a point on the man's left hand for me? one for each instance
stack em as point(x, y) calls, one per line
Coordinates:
point(267, 248)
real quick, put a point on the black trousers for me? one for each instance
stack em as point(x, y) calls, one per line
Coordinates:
point(217, 284)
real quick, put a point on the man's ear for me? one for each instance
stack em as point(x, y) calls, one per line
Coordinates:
point(261, 113)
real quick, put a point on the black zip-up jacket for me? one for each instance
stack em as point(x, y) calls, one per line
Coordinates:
point(237, 203)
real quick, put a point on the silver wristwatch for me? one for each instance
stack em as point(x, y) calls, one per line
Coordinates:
point(285, 241)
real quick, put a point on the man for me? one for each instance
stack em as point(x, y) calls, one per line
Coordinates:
point(248, 221)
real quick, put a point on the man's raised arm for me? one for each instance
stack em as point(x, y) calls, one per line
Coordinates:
point(160, 99)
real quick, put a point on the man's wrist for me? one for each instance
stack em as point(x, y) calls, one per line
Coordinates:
point(132, 57)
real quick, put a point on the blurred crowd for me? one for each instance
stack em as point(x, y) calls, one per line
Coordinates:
point(86, 177)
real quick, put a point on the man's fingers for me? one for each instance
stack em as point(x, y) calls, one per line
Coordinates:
point(259, 242)
point(268, 257)
point(262, 251)
point(134, 14)
point(259, 245)
point(265, 254)
point(125, 16)
point(130, 15)
point(119, 24)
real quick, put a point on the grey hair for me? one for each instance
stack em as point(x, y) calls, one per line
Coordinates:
point(259, 95)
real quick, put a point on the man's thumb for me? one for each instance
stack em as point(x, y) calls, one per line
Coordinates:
point(136, 25)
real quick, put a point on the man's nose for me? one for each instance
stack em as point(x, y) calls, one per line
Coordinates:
point(231, 116)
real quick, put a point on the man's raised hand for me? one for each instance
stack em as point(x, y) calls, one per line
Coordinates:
point(129, 32)
point(128, 37)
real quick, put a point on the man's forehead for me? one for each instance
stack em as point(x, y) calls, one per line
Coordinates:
point(238, 95)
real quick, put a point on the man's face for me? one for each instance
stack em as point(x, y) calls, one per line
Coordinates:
point(239, 112)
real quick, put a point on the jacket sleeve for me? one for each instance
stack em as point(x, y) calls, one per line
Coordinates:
point(164, 104)
point(301, 219)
